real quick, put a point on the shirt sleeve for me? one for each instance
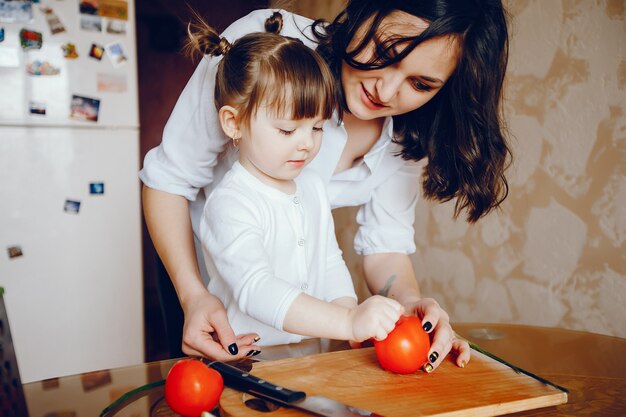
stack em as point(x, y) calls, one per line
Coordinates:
point(386, 220)
point(337, 279)
point(240, 258)
point(193, 139)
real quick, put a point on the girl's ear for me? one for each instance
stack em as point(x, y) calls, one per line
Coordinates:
point(228, 120)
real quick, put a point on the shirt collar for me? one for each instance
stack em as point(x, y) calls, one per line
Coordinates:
point(247, 178)
point(373, 156)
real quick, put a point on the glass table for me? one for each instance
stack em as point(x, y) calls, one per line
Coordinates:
point(592, 367)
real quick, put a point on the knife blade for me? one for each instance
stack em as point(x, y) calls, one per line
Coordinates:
point(317, 405)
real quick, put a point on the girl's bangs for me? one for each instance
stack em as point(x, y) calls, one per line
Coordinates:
point(299, 89)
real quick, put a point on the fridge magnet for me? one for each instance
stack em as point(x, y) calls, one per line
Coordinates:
point(9, 57)
point(54, 23)
point(50, 383)
point(116, 27)
point(38, 67)
point(111, 83)
point(91, 23)
point(84, 108)
point(116, 54)
point(69, 51)
point(71, 206)
point(93, 380)
point(29, 39)
point(115, 9)
point(88, 7)
point(96, 51)
point(1, 34)
point(37, 107)
point(96, 188)
point(15, 252)
point(16, 11)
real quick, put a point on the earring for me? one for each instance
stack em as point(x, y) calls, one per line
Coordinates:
point(236, 142)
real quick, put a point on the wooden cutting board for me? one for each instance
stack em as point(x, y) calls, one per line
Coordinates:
point(484, 387)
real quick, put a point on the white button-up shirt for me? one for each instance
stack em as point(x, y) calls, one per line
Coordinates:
point(263, 247)
point(189, 163)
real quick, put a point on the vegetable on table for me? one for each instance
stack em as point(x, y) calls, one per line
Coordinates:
point(191, 387)
point(405, 349)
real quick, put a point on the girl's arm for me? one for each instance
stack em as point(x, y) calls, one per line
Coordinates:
point(347, 302)
point(309, 316)
point(169, 225)
point(392, 275)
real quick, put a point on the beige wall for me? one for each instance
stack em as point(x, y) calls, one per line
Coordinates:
point(555, 255)
point(315, 9)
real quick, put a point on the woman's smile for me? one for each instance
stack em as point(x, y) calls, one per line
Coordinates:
point(369, 100)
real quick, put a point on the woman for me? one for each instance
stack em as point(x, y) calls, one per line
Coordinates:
point(421, 80)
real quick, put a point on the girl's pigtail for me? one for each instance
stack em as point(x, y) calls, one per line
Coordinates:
point(204, 40)
point(274, 23)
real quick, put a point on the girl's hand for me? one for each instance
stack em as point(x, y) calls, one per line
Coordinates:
point(207, 332)
point(436, 321)
point(375, 317)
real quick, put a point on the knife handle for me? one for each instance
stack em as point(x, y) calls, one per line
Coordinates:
point(244, 381)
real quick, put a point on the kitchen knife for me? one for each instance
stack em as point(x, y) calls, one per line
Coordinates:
point(316, 405)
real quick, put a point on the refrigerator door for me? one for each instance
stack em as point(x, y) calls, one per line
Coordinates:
point(109, 80)
point(71, 254)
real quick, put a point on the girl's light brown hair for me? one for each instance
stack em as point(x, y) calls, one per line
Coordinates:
point(265, 69)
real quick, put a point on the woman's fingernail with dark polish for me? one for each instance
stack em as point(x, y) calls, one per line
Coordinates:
point(428, 368)
point(427, 326)
point(256, 338)
point(250, 353)
point(233, 349)
point(256, 352)
point(433, 357)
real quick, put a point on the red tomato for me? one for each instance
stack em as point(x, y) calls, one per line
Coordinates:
point(405, 350)
point(191, 387)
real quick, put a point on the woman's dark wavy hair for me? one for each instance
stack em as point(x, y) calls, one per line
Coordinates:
point(460, 130)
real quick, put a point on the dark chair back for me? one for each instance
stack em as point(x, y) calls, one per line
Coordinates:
point(12, 401)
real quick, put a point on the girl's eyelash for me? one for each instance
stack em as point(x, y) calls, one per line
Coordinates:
point(289, 132)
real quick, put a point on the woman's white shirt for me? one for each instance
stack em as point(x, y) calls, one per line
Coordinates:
point(190, 160)
point(263, 248)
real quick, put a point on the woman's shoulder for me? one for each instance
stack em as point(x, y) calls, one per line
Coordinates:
point(294, 25)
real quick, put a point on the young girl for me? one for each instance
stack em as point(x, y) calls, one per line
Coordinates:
point(267, 231)
point(419, 80)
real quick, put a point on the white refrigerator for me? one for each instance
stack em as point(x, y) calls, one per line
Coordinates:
point(70, 219)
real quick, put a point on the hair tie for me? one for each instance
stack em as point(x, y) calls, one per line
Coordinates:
point(223, 46)
point(274, 23)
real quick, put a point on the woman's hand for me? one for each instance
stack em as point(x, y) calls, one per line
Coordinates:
point(207, 332)
point(436, 321)
point(392, 275)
